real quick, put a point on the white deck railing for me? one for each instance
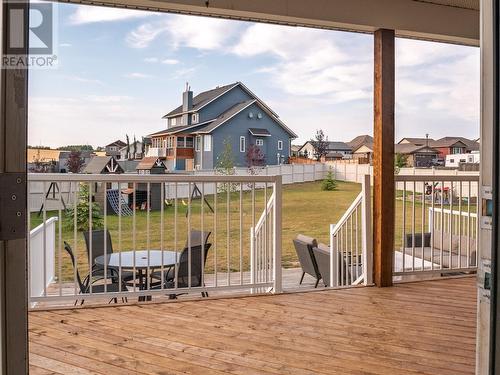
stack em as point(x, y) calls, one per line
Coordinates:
point(235, 261)
point(351, 242)
point(437, 224)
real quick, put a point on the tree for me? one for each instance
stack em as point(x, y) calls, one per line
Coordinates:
point(225, 165)
point(75, 162)
point(127, 156)
point(329, 183)
point(83, 212)
point(320, 144)
point(400, 160)
point(134, 153)
point(76, 148)
point(255, 157)
point(143, 147)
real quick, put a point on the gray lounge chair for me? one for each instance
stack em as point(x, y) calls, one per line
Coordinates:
point(322, 256)
point(303, 246)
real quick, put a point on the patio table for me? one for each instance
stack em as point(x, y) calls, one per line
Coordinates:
point(141, 260)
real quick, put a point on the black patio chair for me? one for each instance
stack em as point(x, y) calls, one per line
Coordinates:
point(187, 275)
point(197, 238)
point(98, 238)
point(303, 247)
point(86, 285)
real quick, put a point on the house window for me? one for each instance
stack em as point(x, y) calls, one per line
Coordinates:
point(180, 141)
point(452, 160)
point(259, 142)
point(195, 118)
point(280, 145)
point(189, 142)
point(207, 142)
point(197, 143)
point(456, 150)
point(242, 144)
point(173, 121)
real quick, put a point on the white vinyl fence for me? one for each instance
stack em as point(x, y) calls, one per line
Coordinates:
point(42, 242)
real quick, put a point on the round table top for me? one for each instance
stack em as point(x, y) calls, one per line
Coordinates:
point(141, 259)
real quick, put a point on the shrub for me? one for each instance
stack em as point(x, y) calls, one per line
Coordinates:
point(329, 183)
point(83, 211)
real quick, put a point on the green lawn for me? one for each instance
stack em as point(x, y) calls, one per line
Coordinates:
point(306, 209)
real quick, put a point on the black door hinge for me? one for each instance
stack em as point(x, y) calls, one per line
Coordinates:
point(12, 206)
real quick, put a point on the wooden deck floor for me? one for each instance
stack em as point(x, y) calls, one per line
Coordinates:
point(413, 328)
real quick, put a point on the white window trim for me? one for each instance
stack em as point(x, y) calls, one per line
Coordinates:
point(173, 121)
point(195, 118)
point(207, 143)
point(259, 142)
point(280, 145)
point(243, 145)
point(197, 143)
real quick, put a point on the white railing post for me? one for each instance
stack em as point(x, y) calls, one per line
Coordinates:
point(252, 258)
point(334, 275)
point(367, 240)
point(277, 227)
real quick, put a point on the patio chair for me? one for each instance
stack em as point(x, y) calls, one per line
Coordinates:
point(98, 237)
point(197, 238)
point(185, 272)
point(85, 284)
point(303, 247)
point(322, 256)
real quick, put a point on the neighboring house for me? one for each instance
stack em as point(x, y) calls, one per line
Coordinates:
point(417, 156)
point(134, 154)
point(336, 150)
point(454, 160)
point(129, 166)
point(362, 148)
point(151, 165)
point(295, 150)
point(43, 160)
point(113, 149)
point(197, 129)
point(103, 165)
point(445, 145)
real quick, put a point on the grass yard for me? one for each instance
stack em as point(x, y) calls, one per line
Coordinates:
point(306, 209)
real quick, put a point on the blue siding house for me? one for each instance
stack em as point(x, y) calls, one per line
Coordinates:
point(197, 130)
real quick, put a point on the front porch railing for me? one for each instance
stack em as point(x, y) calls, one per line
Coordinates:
point(151, 214)
point(436, 227)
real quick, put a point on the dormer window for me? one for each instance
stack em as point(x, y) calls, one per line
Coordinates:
point(195, 118)
point(173, 121)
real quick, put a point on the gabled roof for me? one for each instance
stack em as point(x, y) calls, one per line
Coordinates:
point(408, 148)
point(98, 164)
point(117, 143)
point(237, 108)
point(360, 140)
point(206, 97)
point(150, 162)
point(368, 146)
point(179, 129)
point(450, 141)
point(416, 141)
point(203, 98)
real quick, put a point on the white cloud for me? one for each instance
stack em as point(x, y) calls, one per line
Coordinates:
point(85, 14)
point(309, 62)
point(151, 59)
point(202, 33)
point(65, 45)
point(137, 75)
point(170, 61)
point(84, 80)
point(110, 117)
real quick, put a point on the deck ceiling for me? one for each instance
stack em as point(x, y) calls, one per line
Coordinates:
point(450, 21)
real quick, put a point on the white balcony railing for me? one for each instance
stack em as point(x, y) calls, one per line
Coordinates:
point(351, 242)
point(436, 224)
point(158, 152)
point(152, 240)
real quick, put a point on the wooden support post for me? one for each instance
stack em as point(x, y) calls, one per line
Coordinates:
point(13, 251)
point(383, 161)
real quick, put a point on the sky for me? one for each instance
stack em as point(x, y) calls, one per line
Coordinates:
point(119, 71)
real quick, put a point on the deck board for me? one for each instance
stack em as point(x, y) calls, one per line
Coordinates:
point(413, 328)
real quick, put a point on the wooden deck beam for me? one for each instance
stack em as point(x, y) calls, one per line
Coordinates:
point(383, 162)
